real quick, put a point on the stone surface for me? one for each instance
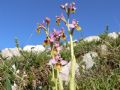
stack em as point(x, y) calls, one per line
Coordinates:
point(14, 87)
point(91, 38)
point(10, 52)
point(88, 59)
point(34, 48)
point(113, 35)
point(103, 49)
point(119, 33)
point(64, 73)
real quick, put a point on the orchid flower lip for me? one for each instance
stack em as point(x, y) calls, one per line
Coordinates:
point(53, 61)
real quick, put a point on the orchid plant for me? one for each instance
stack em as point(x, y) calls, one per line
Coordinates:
point(70, 9)
point(53, 40)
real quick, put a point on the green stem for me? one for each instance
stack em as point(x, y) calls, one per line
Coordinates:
point(56, 84)
point(60, 84)
point(73, 63)
point(56, 81)
point(53, 78)
point(60, 81)
point(72, 85)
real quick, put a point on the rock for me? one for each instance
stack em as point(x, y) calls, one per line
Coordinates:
point(103, 49)
point(113, 35)
point(10, 52)
point(13, 66)
point(18, 71)
point(91, 38)
point(34, 48)
point(64, 73)
point(88, 59)
point(14, 87)
point(118, 33)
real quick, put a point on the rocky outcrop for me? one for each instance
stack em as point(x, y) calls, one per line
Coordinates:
point(113, 35)
point(34, 48)
point(10, 52)
point(91, 38)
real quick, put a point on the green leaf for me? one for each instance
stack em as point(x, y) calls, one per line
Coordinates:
point(55, 73)
point(8, 84)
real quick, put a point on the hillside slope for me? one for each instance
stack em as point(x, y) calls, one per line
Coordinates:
point(98, 60)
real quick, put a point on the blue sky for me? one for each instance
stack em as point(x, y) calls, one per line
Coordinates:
point(19, 18)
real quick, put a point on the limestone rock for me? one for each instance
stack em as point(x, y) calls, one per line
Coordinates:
point(10, 52)
point(34, 48)
point(91, 38)
point(64, 73)
point(113, 35)
point(88, 59)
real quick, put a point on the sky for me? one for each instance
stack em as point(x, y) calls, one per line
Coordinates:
point(19, 19)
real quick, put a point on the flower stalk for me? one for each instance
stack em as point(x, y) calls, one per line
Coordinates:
point(72, 68)
point(73, 61)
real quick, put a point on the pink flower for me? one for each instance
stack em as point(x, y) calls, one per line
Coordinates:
point(58, 19)
point(58, 47)
point(40, 26)
point(52, 61)
point(62, 62)
point(64, 6)
point(56, 35)
point(52, 39)
point(47, 20)
point(74, 25)
point(43, 25)
point(72, 8)
point(57, 64)
point(69, 8)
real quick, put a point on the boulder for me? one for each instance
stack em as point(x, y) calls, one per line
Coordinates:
point(10, 52)
point(91, 38)
point(64, 73)
point(34, 48)
point(103, 49)
point(113, 35)
point(88, 59)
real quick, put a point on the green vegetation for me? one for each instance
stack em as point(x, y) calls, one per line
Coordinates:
point(34, 71)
